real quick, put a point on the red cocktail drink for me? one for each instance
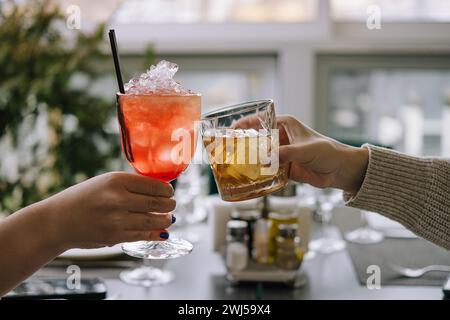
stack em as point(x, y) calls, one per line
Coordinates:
point(160, 132)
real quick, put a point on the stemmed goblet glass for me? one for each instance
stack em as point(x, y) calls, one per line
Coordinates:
point(158, 139)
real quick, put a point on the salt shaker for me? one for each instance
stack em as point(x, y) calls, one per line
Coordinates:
point(237, 245)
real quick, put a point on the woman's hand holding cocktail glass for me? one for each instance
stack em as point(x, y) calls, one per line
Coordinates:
point(157, 119)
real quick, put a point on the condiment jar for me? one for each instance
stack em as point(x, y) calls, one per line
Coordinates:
point(250, 216)
point(275, 219)
point(260, 251)
point(289, 254)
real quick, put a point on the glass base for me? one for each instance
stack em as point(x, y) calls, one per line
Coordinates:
point(172, 248)
point(241, 191)
point(146, 276)
point(327, 245)
point(364, 236)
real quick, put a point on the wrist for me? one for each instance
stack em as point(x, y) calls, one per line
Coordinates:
point(354, 162)
point(51, 227)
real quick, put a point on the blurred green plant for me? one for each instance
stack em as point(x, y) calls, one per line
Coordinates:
point(53, 132)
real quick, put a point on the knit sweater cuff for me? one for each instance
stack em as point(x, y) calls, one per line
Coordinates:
point(404, 189)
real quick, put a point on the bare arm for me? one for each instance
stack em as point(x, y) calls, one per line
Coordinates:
point(102, 211)
point(27, 242)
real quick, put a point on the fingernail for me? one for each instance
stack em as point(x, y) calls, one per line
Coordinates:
point(173, 219)
point(164, 235)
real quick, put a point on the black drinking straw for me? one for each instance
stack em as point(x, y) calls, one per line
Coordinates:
point(112, 40)
point(124, 131)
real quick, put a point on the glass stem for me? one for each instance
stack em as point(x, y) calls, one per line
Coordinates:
point(326, 225)
point(365, 222)
point(147, 263)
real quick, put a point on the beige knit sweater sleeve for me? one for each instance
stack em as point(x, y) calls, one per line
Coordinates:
point(411, 190)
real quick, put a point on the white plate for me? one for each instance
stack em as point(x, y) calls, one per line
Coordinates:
point(92, 254)
point(390, 228)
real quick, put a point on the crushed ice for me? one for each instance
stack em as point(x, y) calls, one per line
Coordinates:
point(157, 80)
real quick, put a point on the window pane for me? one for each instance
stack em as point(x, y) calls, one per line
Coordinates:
point(228, 80)
point(221, 88)
point(399, 10)
point(216, 11)
point(221, 80)
point(404, 109)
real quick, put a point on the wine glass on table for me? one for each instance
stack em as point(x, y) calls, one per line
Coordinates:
point(157, 129)
point(329, 240)
point(191, 189)
point(364, 234)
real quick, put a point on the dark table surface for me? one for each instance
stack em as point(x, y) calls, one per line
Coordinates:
point(201, 275)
